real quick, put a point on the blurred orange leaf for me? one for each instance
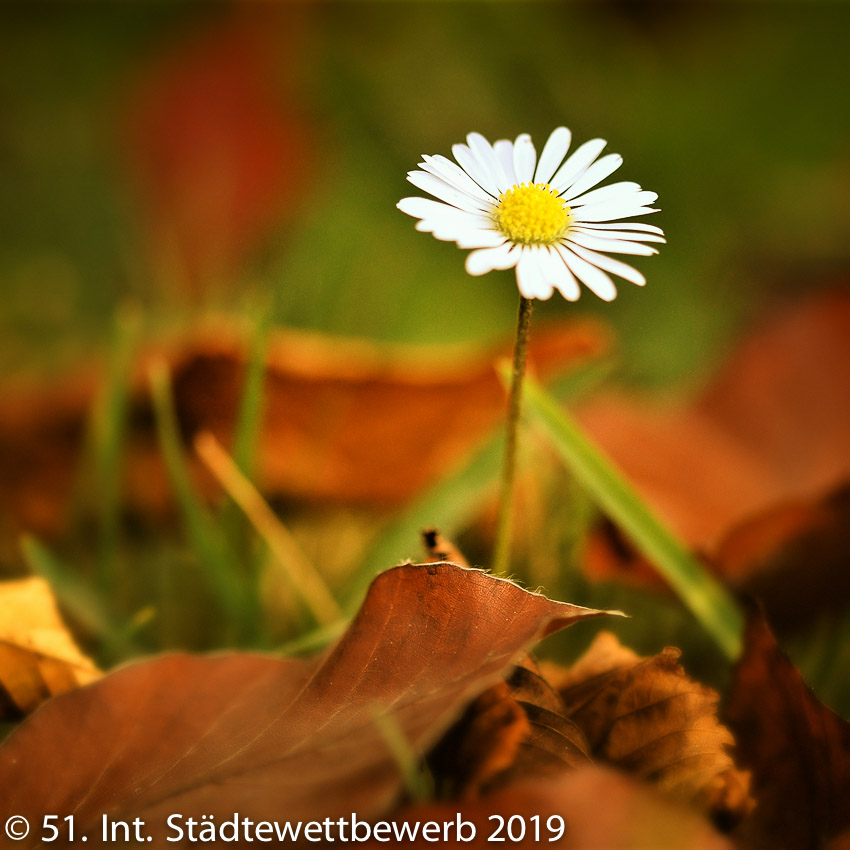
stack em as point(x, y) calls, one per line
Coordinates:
point(773, 427)
point(600, 809)
point(346, 421)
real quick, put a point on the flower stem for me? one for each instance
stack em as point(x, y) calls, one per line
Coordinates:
point(502, 552)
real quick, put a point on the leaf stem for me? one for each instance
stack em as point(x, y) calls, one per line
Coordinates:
point(504, 528)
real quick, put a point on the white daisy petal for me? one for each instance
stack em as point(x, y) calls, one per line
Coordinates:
point(593, 278)
point(504, 150)
point(524, 159)
point(483, 152)
point(554, 151)
point(615, 209)
point(597, 172)
point(631, 225)
point(479, 239)
point(529, 275)
point(576, 165)
point(452, 217)
point(435, 211)
point(454, 175)
point(609, 264)
point(467, 161)
point(505, 256)
point(633, 236)
point(500, 174)
point(612, 192)
point(559, 275)
point(448, 224)
point(445, 231)
point(616, 246)
point(442, 190)
point(465, 234)
point(424, 207)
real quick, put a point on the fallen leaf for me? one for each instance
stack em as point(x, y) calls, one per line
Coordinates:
point(271, 738)
point(762, 557)
point(772, 428)
point(360, 423)
point(646, 717)
point(346, 421)
point(38, 656)
point(516, 729)
point(797, 749)
point(767, 556)
point(601, 809)
point(482, 745)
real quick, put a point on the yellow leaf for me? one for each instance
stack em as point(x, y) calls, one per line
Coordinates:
point(38, 656)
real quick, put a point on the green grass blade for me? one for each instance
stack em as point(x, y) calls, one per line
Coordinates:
point(248, 418)
point(418, 781)
point(204, 534)
point(246, 439)
point(75, 594)
point(707, 599)
point(108, 432)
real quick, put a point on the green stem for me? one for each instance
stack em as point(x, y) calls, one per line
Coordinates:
point(504, 528)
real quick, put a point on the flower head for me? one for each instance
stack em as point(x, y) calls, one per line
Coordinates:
point(540, 216)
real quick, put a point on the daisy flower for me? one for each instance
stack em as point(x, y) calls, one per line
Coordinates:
point(541, 216)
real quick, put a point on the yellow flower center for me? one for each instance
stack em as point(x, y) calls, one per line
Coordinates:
point(532, 214)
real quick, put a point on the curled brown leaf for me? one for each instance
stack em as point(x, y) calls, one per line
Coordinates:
point(274, 738)
point(648, 718)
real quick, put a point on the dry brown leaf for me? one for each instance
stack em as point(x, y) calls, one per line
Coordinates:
point(772, 427)
point(38, 656)
point(645, 716)
point(346, 421)
point(793, 559)
point(842, 842)
point(601, 810)
point(797, 749)
point(361, 423)
point(555, 741)
point(514, 730)
point(277, 739)
point(481, 746)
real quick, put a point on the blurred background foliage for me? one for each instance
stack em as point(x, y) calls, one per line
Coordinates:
point(189, 156)
point(190, 159)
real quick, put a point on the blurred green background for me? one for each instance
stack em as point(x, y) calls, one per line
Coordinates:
point(191, 156)
point(189, 159)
